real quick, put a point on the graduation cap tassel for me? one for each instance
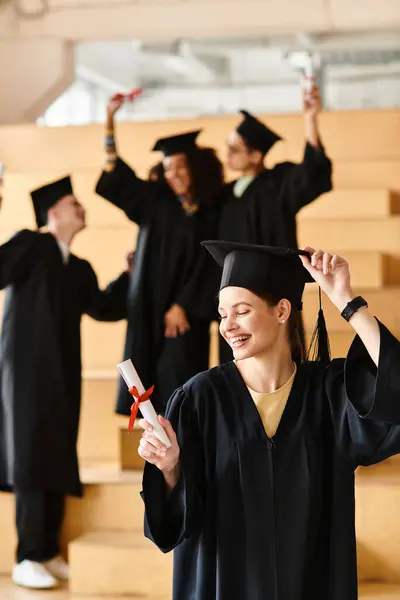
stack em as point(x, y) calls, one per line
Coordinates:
point(319, 350)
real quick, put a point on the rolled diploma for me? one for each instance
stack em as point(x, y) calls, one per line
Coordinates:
point(132, 379)
point(308, 80)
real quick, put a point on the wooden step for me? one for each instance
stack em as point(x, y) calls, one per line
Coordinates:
point(378, 522)
point(102, 344)
point(383, 303)
point(366, 174)
point(349, 135)
point(9, 591)
point(129, 458)
point(99, 425)
point(8, 537)
point(379, 591)
point(125, 563)
point(106, 248)
point(111, 501)
point(353, 204)
point(381, 235)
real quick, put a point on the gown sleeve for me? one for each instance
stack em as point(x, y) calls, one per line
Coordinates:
point(17, 256)
point(304, 182)
point(171, 520)
point(109, 304)
point(365, 401)
point(126, 191)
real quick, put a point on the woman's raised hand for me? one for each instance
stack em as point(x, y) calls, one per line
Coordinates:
point(332, 273)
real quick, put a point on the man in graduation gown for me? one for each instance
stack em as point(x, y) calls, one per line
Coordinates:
point(48, 289)
point(259, 504)
point(260, 207)
point(171, 298)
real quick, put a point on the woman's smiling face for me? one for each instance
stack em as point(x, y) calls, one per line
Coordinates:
point(249, 325)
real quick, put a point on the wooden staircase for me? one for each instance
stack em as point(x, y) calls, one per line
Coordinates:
point(103, 532)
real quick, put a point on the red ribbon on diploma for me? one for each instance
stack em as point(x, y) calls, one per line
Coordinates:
point(130, 97)
point(135, 406)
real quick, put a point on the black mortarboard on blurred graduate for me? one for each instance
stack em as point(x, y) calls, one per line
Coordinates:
point(273, 270)
point(45, 197)
point(256, 134)
point(183, 143)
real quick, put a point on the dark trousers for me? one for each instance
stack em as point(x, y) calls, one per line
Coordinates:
point(39, 517)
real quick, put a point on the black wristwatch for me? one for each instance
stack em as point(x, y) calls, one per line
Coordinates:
point(352, 307)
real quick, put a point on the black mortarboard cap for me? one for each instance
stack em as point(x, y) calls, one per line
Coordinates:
point(182, 143)
point(45, 197)
point(277, 271)
point(256, 134)
point(273, 270)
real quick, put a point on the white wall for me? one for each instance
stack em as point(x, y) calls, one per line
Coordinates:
point(85, 103)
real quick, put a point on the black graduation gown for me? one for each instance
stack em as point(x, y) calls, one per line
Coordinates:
point(170, 267)
point(40, 363)
point(255, 518)
point(266, 212)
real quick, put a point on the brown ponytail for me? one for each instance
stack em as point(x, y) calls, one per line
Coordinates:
point(295, 343)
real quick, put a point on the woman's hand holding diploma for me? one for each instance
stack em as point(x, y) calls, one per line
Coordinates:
point(156, 453)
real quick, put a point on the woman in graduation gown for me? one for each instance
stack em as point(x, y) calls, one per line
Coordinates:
point(256, 492)
point(261, 206)
point(48, 289)
point(171, 299)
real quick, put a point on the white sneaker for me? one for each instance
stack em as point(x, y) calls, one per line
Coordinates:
point(32, 575)
point(58, 568)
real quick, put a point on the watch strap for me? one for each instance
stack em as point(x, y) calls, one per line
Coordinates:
point(352, 307)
